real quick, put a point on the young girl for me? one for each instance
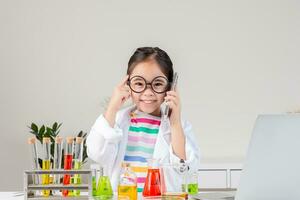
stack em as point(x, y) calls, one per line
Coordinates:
point(139, 132)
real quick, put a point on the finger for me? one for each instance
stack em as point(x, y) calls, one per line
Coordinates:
point(171, 104)
point(126, 96)
point(125, 93)
point(125, 88)
point(173, 99)
point(172, 93)
point(124, 81)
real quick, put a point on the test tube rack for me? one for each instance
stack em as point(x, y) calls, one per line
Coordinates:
point(37, 187)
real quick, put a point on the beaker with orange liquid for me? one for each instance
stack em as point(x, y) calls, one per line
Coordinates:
point(153, 184)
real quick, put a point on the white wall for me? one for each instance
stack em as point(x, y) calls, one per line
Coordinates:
point(59, 61)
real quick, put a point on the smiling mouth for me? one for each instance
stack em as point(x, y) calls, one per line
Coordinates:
point(148, 101)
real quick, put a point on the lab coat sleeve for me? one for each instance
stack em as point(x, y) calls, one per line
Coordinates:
point(103, 141)
point(191, 148)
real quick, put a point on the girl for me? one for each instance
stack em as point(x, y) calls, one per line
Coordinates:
point(139, 132)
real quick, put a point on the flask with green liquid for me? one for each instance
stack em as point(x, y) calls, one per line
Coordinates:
point(104, 189)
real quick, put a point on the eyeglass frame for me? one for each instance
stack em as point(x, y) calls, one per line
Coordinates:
point(149, 83)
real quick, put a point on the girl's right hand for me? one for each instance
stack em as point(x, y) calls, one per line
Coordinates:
point(120, 95)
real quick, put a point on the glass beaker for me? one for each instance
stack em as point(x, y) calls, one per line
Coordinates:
point(192, 183)
point(153, 181)
point(127, 183)
point(174, 181)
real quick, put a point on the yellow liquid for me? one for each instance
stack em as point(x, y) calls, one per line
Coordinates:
point(77, 177)
point(127, 191)
point(45, 177)
point(175, 195)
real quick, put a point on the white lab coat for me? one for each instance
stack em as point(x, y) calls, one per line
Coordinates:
point(107, 145)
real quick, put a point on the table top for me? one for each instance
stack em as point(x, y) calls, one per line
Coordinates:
point(204, 195)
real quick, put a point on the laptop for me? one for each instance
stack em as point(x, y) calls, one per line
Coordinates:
point(272, 167)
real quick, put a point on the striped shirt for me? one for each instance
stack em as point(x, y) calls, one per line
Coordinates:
point(142, 136)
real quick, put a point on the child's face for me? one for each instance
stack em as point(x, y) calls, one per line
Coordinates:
point(148, 101)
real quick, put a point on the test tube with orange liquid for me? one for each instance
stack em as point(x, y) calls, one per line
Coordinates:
point(68, 157)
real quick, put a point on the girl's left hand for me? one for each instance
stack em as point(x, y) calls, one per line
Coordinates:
point(172, 99)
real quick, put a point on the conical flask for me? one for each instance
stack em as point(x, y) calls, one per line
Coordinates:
point(153, 181)
point(104, 189)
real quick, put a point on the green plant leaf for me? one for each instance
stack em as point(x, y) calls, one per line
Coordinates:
point(54, 127)
point(52, 150)
point(34, 127)
point(48, 132)
point(57, 129)
point(63, 158)
point(40, 162)
point(79, 134)
point(42, 131)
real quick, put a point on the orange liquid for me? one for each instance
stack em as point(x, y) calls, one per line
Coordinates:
point(67, 177)
point(153, 183)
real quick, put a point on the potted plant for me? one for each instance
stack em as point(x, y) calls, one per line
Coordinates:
point(52, 132)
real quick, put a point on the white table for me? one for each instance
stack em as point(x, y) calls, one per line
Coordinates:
point(11, 195)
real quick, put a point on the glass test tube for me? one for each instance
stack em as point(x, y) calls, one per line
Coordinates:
point(77, 162)
point(57, 158)
point(68, 157)
point(34, 155)
point(46, 164)
point(95, 176)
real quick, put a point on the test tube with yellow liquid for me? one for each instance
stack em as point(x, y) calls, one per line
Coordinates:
point(46, 164)
point(77, 163)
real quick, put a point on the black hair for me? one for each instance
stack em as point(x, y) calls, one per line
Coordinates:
point(143, 54)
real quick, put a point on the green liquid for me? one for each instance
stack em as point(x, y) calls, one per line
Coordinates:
point(104, 188)
point(193, 188)
point(94, 186)
point(77, 177)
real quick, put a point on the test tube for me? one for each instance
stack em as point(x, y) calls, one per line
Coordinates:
point(95, 168)
point(77, 162)
point(34, 155)
point(46, 164)
point(173, 86)
point(68, 163)
point(57, 158)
